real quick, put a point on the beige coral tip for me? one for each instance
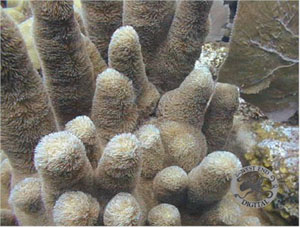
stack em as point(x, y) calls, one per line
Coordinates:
point(121, 157)
point(148, 134)
point(26, 196)
point(164, 215)
point(170, 185)
point(124, 35)
point(60, 154)
point(111, 83)
point(210, 180)
point(153, 153)
point(114, 110)
point(5, 181)
point(122, 210)
point(83, 128)
point(185, 145)
point(224, 213)
point(76, 209)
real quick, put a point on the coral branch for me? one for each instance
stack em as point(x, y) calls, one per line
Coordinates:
point(125, 204)
point(188, 102)
point(153, 153)
point(114, 110)
point(62, 164)
point(170, 185)
point(210, 181)
point(151, 20)
point(66, 66)
point(26, 114)
point(176, 57)
point(84, 129)
point(164, 215)
point(27, 204)
point(126, 57)
point(76, 209)
point(219, 116)
point(101, 19)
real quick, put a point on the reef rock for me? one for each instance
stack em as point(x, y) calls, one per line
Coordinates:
point(263, 58)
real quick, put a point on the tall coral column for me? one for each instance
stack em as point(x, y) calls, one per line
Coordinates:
point(101, 19)
point(219, 116)
point(177, 54)
point(26, 114)
point(66, 66)
point(125, 56)
point(151, 20)
point(62, 164)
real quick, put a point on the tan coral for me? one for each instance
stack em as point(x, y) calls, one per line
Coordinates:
point(164, 215)
point(210, 180)
point(84, 129)
point(219, 116)
point(26, 113)
point(122, 210)
point(151, 20)
point(177, 54)
point(114, 110)
point(153, 153)
point(101, 19)
point(223, 213)
point(170, 185)
point(70, 88)
point(185, 146)
point(62, 164)
point(7, 218)
point(98, 62)
point(125, 55)
point(76, 209)
point(119, 166)
point(27, 204)
point(188, 102)
point(5, 180)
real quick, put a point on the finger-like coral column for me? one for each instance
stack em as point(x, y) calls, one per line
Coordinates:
point(98, 62)
point(210, 180)
point(151, 20)
point(125, 56)
point(27, 204)
point(219, 116)
point(66, 66)
point(185, 146)
point(84, 129)
point(76, 208)
point(5, 181)
point(153, 153)
point(61, 161)
point(26, 114)
point(164, 215)
point(114, 110)
point(122, 210)
point(170, 185)
point(188, 102)
point(119, 166)
point(224, 213)
point(101, 19)
point(177, 55)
